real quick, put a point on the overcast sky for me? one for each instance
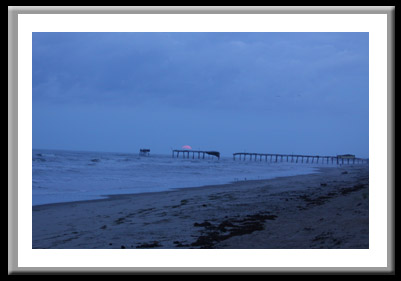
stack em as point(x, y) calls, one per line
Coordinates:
point(303, 93)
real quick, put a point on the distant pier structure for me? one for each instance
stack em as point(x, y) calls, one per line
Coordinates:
point(200, 154)
point(295, 158)
point(144, 152)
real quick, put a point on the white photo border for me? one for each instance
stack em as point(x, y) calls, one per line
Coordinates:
point(376, 257)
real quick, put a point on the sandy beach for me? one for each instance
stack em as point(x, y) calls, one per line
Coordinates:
point(329, 209)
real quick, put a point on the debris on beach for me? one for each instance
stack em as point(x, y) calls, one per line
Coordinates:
point(213, 234)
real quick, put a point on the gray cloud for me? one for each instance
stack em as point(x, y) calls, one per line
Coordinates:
point(220, 82)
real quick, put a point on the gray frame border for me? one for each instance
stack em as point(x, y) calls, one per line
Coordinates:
point(14, 11)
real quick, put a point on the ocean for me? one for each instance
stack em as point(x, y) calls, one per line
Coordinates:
point(67, 176)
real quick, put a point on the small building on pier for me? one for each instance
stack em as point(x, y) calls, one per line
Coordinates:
point(144, 152)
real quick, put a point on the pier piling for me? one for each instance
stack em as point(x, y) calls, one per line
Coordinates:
point(187, 153)
point(346, 159)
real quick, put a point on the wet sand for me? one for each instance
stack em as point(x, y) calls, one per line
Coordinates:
point(329, 210)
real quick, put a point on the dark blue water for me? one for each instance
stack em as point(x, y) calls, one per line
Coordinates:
point(64, 176)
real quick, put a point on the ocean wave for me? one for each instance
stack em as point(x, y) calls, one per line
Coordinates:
point(98, 174)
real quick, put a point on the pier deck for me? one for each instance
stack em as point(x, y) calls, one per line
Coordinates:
point(339, 159)
point(187, 153)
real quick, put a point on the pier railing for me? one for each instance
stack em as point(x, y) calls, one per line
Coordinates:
point(294, 158)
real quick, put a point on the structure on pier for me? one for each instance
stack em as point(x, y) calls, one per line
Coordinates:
point(144, 152)
point(200, 153)
point(339, 159)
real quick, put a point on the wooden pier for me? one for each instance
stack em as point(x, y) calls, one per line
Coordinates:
point(200, 154)
point(293, 158)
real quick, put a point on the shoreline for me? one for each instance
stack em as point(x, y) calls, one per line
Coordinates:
point(114, 196)
point(325, 209)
